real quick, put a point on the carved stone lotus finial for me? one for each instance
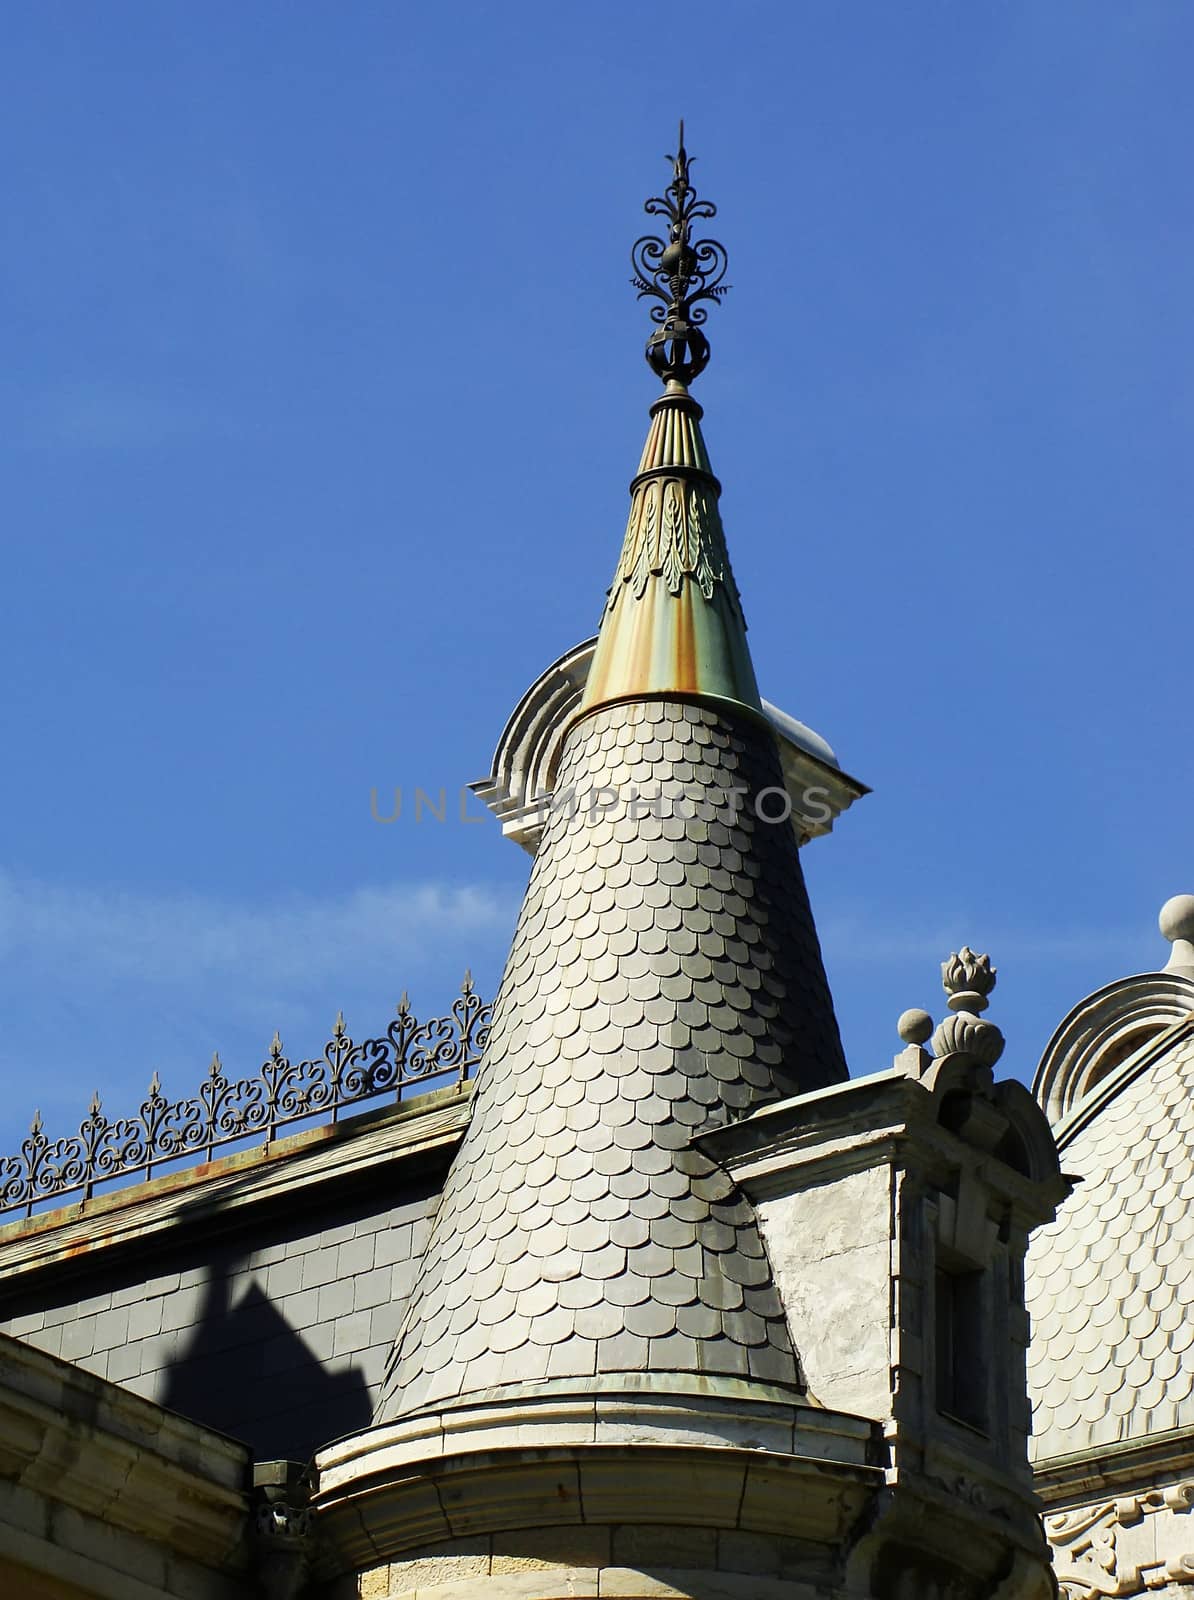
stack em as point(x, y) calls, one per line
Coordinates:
point(967, 979)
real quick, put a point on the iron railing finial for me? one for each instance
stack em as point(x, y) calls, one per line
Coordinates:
point(410, 1054)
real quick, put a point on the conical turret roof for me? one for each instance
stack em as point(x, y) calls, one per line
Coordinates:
point(673, 621)
point(664, 974)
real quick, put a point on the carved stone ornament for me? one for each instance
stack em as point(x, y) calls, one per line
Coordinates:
point(966, 1035)
point(967, 979)
point(283, 1548)
point(1092, 1557)
point(960, 1486)
point(278, 1522)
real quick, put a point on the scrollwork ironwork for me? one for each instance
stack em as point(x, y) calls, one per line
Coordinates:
point(409, 1054)
point(679, 274)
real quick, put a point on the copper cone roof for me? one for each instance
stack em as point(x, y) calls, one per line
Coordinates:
point(673, 623)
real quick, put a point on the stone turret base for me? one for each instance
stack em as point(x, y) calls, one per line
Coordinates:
point(631, 1562)
point(619, 1489)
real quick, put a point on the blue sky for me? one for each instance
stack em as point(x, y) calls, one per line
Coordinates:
point(322, 388)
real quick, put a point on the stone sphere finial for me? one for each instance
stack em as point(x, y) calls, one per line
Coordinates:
point(1177, 918)
point(1177, 925)
point(915, 1026)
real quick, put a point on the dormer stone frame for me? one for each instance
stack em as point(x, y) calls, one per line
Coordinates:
point(1112, 1034)
point(865, 1193)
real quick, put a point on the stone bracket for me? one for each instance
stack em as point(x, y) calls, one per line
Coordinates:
point(284, 1528)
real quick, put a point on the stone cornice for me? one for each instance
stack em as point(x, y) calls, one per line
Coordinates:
point(851, 1126)
point(75, 1440)
point(1112, 1468)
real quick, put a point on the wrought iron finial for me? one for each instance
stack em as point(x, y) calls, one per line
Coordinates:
point(679, 275)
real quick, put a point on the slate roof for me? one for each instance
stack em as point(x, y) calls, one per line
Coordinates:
point(1111, 1281)
point(665, 972)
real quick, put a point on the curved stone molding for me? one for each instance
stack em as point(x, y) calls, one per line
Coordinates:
point(612, 1454)
point(1105, 1031)
point(519, 1576)
point(525, 762)
point(1034, 1151)
point(520, 786)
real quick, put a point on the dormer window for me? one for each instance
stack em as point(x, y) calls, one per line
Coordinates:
point(962, 1346)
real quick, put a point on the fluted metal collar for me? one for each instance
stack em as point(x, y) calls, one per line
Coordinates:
point(679, 275)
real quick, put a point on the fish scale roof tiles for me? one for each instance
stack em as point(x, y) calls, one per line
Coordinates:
point(1109, 1283)
point(577, 1232)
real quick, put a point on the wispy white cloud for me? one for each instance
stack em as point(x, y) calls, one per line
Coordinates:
point(100, 987)
point(167, 938)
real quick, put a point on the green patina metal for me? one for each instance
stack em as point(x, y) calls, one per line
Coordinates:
point(673, 622)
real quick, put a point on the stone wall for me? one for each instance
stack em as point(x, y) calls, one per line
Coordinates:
point(629, 1562)
point(104, 1496)
point(261, 1302)
point(831, 1252)
point(278, 1338)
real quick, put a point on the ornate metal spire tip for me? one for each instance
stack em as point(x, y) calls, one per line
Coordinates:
point(679, 274)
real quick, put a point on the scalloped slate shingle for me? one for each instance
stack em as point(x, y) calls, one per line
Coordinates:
point(665, 971)
point(1110, 1283)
